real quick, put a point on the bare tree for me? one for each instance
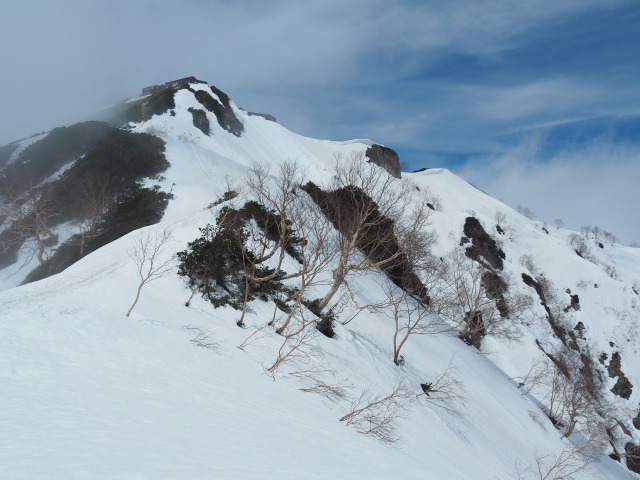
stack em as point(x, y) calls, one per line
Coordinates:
point(93, 197)
point(267, 236)
point(376, 218)
point(573, 400)
point(526, 211)
point(537, 374)
point(578, 244)
point(609, 237)
point(294, 346)
point(410, 317)
point(31, 214)
point(148, 253)
point(558, 223)
point(571, 461)
point(446, 390)
point(477, 301)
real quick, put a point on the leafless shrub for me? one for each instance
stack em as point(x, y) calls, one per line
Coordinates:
point(526, 211)
point(294, 348)
point(446, 391)
point(558, 223)
point(378, 415)
point(320, 385)
point(586, 231)
point(94, 194)
point(500, 218)
point(255, 336)
point(573, 401)
point(527, 262)
point(611, 271)
point(609, 237)
point(147, 252)
point(30, 213)
point(537, 375)
point(578, 244)
point(410, 317)
point(469, 301)
point(564, 466)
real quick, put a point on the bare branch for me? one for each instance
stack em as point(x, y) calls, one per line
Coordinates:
point(378, 415)
point(146, 251)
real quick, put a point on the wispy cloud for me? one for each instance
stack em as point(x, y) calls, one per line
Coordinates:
point(591, 185)
point(441, 80)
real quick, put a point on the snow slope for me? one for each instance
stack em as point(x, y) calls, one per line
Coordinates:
point(88, 393)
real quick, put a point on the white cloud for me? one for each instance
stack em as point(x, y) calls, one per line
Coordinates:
point(593, 185)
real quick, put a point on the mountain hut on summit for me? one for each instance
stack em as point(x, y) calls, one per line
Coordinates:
point(266, 116)
point(181, 82)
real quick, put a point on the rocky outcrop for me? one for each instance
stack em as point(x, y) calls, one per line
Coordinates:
point(623, 386)
point(223, 111)
point(384, 157)
point(632, 455)
point(200, 120)
point(483, 249)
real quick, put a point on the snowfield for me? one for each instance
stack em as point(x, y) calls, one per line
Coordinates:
point(87, 393)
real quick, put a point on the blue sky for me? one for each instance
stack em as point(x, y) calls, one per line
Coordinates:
point(533, 101)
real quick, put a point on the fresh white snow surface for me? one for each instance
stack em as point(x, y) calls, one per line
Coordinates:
point(87, 393)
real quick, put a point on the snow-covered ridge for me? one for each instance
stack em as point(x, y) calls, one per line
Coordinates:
point(89, 393)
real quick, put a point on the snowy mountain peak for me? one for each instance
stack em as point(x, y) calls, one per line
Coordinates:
point(523, 357)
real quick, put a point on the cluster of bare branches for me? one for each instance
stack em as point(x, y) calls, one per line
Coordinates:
point(318, 383)
point(94, 196)
point(378, 415)
point(375, 213)
point(147, 252)
point(476, 302)
point(30, 213)
point(571, 461)
point(410, 316)
point(446, 391)
point(295, 347)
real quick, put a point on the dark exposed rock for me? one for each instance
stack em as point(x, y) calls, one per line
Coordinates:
point(575, 302)
point(223, 111)
point(338, 206)
point(636, 421)
point(384, 157)
point(495, 288)
point(476, 330)
point(484, 249)
point(623, 386)
point(558, 329)
point(200, 120)
point(632, 455)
